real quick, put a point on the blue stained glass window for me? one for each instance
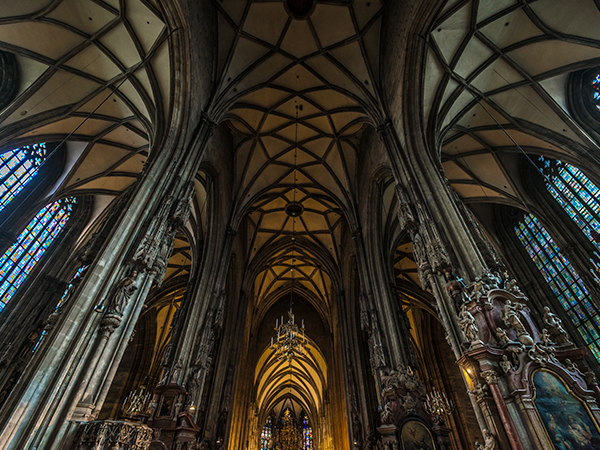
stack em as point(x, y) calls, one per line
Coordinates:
point(20, 259)
point(17, 168)
point(563, 279)
point(266, 435)
point(576, 193)
point(307, 438)
point(596, 91)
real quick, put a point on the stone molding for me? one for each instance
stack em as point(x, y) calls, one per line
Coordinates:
point(110, 434)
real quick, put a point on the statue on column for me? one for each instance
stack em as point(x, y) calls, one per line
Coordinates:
point(467, 323)
point(489, 441)
point(125, 289)
point(453, 287)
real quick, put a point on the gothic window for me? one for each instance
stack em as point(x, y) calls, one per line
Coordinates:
point(266, 435)
point(562, 279)
point(17, 168)
point(19, 260)
point(595, 91)
point(575, 193)
point(307, 438)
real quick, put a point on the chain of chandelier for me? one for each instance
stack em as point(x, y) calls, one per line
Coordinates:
point(291, 340)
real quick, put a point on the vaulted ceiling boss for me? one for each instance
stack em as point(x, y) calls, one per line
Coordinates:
point(299, 224)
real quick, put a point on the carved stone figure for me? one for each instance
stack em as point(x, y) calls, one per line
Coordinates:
point(511, 319)
point(125, 289)
point(490, 440)
point(502, 336)
point(572, 367)
point(510, 285)
point(477, 292)
point(506, 364)
point(453, 288)
point(390, 381)
point(554, 324)
point(386, 415)
point(467, 323)
point(176, 371)
point(409, 404)
point(479, 392)
point(542, 354)
point(490, 376)
point(546, 339)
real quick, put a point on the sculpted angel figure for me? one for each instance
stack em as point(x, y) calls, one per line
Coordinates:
point(125, 289)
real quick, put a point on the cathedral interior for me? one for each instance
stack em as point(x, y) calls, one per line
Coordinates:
point(299, 224)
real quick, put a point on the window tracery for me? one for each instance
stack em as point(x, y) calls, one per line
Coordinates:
point(307, 439)
point(17, 169)
point(595, 91)
point(562, 278)
point(575, 192)
point(266, 435)
point(19, 260)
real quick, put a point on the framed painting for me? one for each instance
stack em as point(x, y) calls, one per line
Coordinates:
point(567, 420)
point(416, 436)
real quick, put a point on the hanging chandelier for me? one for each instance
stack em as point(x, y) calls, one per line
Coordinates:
point(291, 340)
point(438, 404)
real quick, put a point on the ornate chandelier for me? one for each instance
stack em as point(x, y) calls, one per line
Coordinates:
point(438, 404)
point(291, 340)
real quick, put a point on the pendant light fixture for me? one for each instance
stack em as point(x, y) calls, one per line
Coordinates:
point(291, 340)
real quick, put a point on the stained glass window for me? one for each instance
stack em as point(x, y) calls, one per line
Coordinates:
point(17, 168)
point(596, 91)
point(307, 438)
point(562, 279)
point(20, 259)
point(576, 193)
point(266, 435)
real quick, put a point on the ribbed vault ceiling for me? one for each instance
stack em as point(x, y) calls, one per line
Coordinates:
point(515, 58)
point(304, 380)
point(96, 71)
point(297, 94)
point(275, 68)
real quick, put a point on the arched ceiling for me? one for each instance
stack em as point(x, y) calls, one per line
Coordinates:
point(181, 259)
point(297, 93)
point(96, 72)
point(304, 380)
point(276, 278)
point(515, 58)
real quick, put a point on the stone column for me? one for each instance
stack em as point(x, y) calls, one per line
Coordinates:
point(61, 382)
point(491, 378)
point(447, 243)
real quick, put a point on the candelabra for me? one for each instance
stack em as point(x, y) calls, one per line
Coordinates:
point(437, 403)
point(137, 402)
point(291, 340)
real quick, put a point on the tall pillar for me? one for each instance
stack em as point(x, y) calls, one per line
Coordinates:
point(447, 242)
point(70, 379)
